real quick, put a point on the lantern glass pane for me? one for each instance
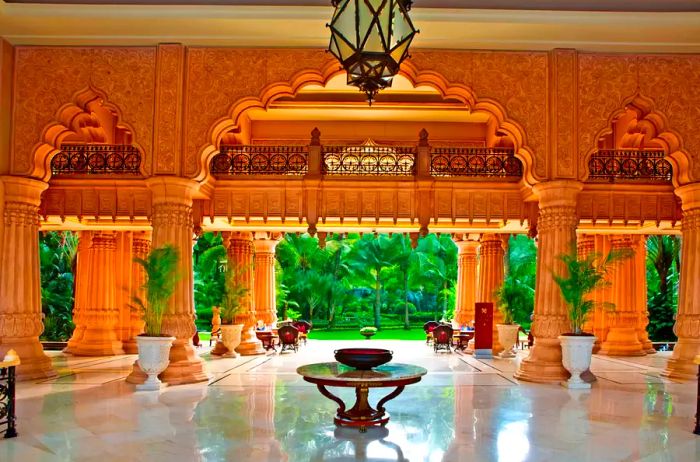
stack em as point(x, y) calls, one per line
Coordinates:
point(374, 43)
point(346, 51)
point(376, 4)
point(401, 27)
point(399, 53)
point(344, 21)
point(364, 23)
point(385, 22)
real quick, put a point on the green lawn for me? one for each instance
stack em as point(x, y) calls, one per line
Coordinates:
point(354, 334)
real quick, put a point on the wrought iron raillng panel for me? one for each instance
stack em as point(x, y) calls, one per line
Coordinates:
point(260, 160)
point(369, 159)
point(7, 400)
point(475, 162)
point(96, 159)
point(629, 165)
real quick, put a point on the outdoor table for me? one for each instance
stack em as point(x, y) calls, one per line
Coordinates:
point(462, 339)
point(267, 338)
point(7, 393)
point(361, 414)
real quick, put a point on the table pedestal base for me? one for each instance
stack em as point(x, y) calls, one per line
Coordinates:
point(362, 414)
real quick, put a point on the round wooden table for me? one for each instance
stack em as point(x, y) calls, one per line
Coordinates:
point(361, 414)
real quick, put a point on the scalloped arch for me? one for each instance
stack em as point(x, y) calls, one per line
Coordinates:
point(669, 139)
point(322, 76)
point(62, 127)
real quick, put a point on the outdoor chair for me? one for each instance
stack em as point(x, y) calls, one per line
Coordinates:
point(289, 338)
point(442, 338)
point(304, 327)
point(428, 328)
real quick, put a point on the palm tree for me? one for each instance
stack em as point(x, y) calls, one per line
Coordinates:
point(57, 258)
point(406, 272)
point(439, 262)
point(338, 269)
point(209, 266)
point(663, 265)
point(516, 296)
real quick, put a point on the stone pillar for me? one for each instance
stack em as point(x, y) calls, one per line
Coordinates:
point(601, 295)
point(491, 254)
point(82, 287)
point(622, 337)
point(101, 315)
point(585, 245)
point(122, 270)
point(171, 217)
point(556, 235)
point(640, 295)
point(466, 281)
point(240, 255)
point(265, 289)
point(687, 326)
point(20, 278)
point(140, 246)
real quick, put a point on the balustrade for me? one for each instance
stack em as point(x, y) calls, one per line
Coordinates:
point(96, 159)
point(616, 165)
point(260, 160)
point(475, 162)
point(369, 159)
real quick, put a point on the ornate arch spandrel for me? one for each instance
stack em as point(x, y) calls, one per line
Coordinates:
point(417, 78)
point(670, 141)
point(63, 127)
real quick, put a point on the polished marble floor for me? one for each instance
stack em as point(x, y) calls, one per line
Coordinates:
point(258, 409)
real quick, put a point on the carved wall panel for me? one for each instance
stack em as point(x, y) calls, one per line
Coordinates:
point(478, 203)
point(516, 80)
point(170, 68)
point(46, 78)
point(634, 204)
point(108, 201)
point(562, 113)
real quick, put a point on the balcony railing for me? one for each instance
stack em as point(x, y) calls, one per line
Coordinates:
point(475, 162)
point(615, 165)
point(96, 159)
point(369, 159)
point(260, 160)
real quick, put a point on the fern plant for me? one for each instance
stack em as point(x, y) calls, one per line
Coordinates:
point(162, 275)
point(584, 275)
point(234, 292)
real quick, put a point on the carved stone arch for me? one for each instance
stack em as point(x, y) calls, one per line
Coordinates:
point(79, 121)
point(321, 77)
point(656, 124)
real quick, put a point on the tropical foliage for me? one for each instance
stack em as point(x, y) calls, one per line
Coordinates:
point(582, 276)
point(516, 296)
point(57, 251)
point(234, 293)
point(209, 267)
point(161, 277)
point(663, 268)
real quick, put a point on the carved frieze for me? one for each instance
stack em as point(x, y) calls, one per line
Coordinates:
point(168, 125)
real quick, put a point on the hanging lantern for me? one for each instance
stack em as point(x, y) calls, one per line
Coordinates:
point(370, 38)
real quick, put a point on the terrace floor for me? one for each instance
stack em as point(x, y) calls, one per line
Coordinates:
point(258, 409)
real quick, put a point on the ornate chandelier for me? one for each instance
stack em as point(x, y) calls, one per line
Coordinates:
point(370, 38)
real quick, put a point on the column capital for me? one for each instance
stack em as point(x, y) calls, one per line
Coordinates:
point(467, 246)
point(172, 189)
point(265, 245)
point(689, 195)
point(558, 193)
point(26, 190)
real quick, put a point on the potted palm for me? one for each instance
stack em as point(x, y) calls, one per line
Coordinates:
point(231, 303)
point(583, 275)
point(508, 330)
point(161, 277)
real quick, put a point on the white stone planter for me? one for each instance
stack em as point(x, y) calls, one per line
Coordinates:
point(154, 356)
point(576, 353)
point(507, 337)
point(231, 338)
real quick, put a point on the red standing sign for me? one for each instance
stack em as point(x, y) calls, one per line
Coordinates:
point(483, 330)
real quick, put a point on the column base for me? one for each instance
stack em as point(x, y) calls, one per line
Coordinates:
point(219, 349)
point(185, 366)
point(108, 348)
point(543, 365)
point(130, 347)
point(250, 345)
point(34, 362)
point(75, 339)
point(681, 365)
point(622, 341)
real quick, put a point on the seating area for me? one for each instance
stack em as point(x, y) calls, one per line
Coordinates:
point(444, 337)
point(286, 336)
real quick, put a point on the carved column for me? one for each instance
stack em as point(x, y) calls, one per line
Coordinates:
point(491, 254)
point(640, 293)
point(687, 326)
point(557, 233)
point(601, 296)
point(466, 281)
point(622, 337)
point(122, 269)
point(265, 293)
point(240, 254)
point(140, 246)
point(20, 279)
point(172, 224)
point(101, 312)
point(82, 287)
point(585, 245)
